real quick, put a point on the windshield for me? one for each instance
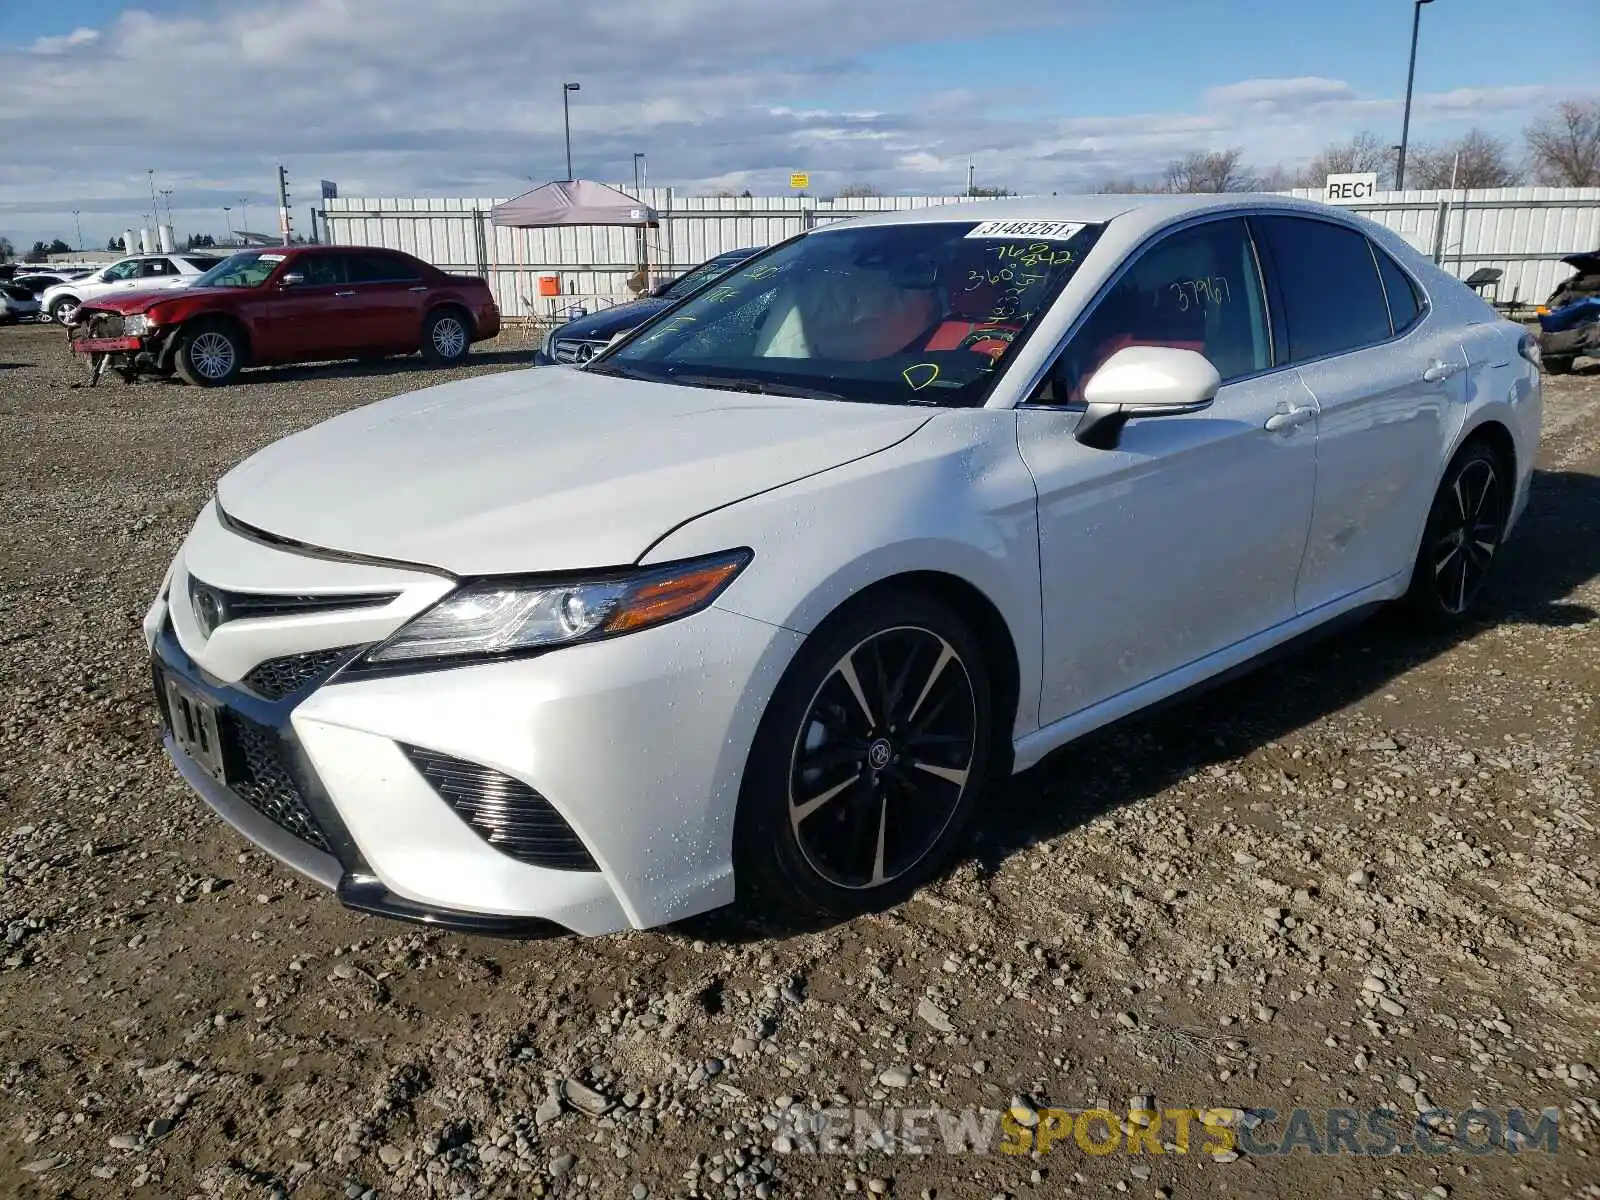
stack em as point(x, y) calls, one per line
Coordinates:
point(925, 313)
point(246, 270)
point(704, 273)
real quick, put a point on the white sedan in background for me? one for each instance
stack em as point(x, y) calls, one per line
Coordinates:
point(762, 599)
point(138, 273)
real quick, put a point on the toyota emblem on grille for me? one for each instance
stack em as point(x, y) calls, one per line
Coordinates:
point(209, 606)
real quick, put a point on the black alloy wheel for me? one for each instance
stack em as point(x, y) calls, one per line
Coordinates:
point(868, 760)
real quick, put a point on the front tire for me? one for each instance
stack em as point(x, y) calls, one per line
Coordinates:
point(209, 355)
point(63, 309)
point(446, 337)
point(867, 763)
point(1462, 537)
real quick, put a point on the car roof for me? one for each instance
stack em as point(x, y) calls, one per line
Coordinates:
point(1144, 211)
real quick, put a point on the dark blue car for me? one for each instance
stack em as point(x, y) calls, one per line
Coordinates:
point(1569, 322)
point(580, 340)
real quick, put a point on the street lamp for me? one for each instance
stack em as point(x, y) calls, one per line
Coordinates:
point(166, 198)
point(566, 121)
point(1411, 75)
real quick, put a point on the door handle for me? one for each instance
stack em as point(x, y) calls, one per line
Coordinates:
point(1291, 418)
point(423, 288)
point(1440, 371)
point(344, 293)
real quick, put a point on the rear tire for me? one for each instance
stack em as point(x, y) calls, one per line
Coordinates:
point(446, 337)
point(1462, 538)
point(1556, 366)
point(209, 355)
point(868, 762)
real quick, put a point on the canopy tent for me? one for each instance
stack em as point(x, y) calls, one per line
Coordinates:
point(573, 202)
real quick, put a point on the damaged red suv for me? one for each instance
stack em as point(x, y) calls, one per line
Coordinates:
point(297, 304)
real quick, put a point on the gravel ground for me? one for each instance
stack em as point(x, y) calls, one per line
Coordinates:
point(1363, 877)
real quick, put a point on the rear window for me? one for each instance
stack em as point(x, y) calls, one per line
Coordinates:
point(1405, 306)
point(1332, 299)
point(380, 268)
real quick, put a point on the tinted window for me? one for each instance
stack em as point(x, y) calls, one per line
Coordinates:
point(320, 270)
point(1195, 290)
point(156, 266)
point(380, 268)
point(1332, 298)
point(1404, 304)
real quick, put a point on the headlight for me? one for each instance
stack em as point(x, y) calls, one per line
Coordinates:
point(136, 326)
point(499, 617)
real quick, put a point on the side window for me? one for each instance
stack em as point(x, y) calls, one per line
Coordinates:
point(1405, 306)
point(120, 271)
point(156, 267)
point(381, 268)
point(320, 269)
point(1199, 289)
point(202, 264)
point(1332, 298)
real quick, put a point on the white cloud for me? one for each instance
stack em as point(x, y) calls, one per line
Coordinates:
point(718, 93)
point(80, 36)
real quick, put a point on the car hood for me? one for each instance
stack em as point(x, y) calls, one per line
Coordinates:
point(129, 303)
point(609, 321)
point(541, 470)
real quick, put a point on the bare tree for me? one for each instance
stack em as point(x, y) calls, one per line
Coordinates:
point(858, 191)
point(1475, 160)
point(1366, 151)
point(1128, 187)
point(1276, 178)
point(1564, 145)
point(1210, 171)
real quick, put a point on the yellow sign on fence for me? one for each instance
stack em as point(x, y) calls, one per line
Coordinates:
point(800, 180)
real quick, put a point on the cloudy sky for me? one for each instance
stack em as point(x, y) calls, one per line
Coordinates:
point(449, 98)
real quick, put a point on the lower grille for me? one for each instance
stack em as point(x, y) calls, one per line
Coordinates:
point(258, 775)
point(504, 812)
point(96, 323)
point(280, 677)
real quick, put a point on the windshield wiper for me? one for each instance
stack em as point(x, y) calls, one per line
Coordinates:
point(607, 367)
point(758, 387)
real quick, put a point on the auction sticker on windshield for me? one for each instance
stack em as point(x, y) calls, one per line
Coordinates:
point(1055, 231)
point(273, 257)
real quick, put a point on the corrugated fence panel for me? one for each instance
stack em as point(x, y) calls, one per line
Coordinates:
point(1523, 232)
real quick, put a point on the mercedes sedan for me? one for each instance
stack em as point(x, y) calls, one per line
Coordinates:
point(758, 603)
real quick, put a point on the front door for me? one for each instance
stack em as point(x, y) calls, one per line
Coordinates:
point(299, 321)
point(1187, 537)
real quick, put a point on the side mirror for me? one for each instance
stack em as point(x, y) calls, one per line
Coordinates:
point(292, 279)
point(1144, 381)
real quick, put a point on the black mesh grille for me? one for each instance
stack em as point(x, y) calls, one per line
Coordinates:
point(505, 812)
point(258, 775)
point(280, 677)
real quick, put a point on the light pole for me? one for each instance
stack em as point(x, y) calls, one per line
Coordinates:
point(79, 224)
point(1411, 75)
point(166, 198)
point(640, 173)
point(566, 121)
point(227, 219)
point(244, 226)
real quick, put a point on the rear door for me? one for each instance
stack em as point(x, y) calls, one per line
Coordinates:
point(1384, 384)
point(389, 293)
point(159, 273)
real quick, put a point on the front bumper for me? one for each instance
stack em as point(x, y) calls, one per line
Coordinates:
point(638, 744)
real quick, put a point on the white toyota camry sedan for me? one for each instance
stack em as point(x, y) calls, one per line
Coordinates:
point(762, 599)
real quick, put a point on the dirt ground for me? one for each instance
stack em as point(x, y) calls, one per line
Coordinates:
point(1365, 877)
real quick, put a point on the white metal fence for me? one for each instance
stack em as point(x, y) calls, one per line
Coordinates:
point(1523, 232)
